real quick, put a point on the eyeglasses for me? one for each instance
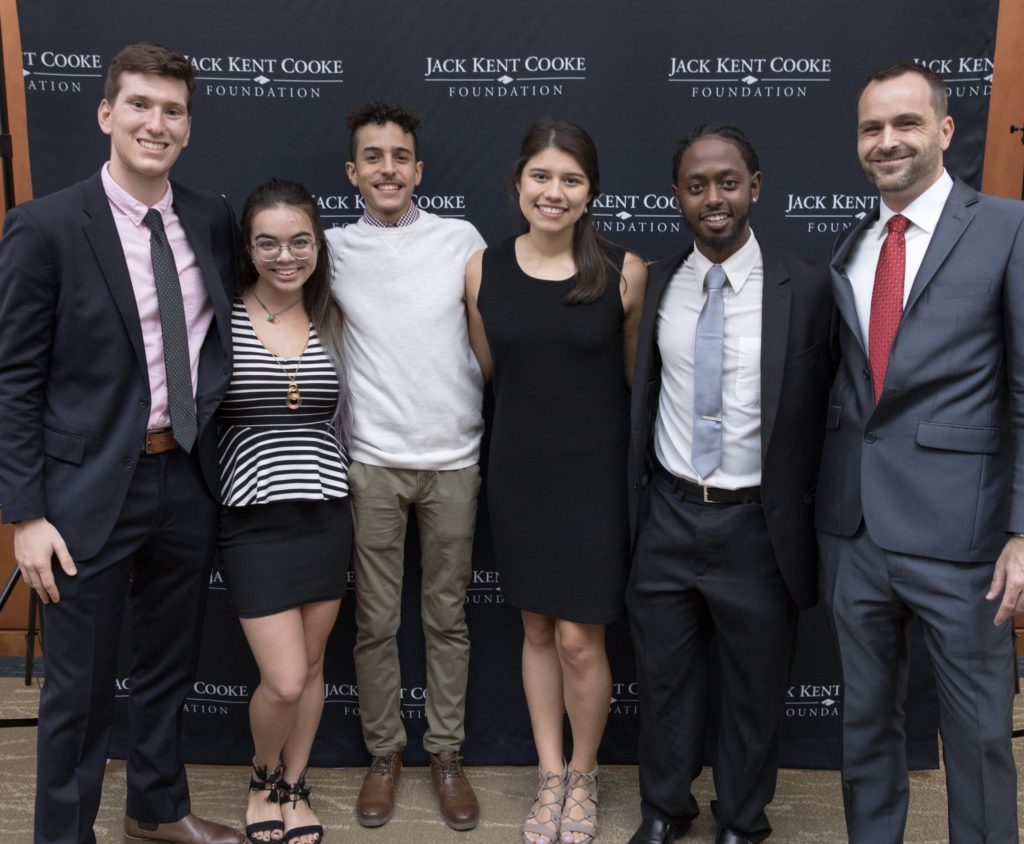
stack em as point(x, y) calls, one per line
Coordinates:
point(300, 248)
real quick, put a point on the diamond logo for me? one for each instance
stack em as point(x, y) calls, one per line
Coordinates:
point(261, 79)
point(26, 72)
point(504, 80)
point(860, 215)
point(623, 215)
point(828, 702)
point(748, 80)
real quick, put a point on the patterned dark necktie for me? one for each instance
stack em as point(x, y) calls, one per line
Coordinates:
point(887, 300)
point(706, 453)
point(180, 399)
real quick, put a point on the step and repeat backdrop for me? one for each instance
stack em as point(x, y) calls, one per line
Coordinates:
point(275, 82)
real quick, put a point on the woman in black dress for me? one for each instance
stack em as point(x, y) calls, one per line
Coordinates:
point(554, 313)
point(285, 527)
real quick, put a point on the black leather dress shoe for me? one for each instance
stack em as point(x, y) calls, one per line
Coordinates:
point(653, 831)
point(730, 836)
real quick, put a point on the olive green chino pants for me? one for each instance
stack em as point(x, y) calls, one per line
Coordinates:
point(445, 503)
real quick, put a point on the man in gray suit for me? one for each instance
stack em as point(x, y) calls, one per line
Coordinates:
point(920, 506)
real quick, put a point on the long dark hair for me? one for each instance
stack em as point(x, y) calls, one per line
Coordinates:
point(590, 251)
point(321, 306)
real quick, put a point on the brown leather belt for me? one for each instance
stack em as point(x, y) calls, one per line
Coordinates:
point(158, 440)
point(710, 494)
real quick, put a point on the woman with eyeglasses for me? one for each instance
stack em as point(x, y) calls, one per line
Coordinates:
point(285, 525)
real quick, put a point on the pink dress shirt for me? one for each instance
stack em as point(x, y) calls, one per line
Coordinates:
point(128, 213)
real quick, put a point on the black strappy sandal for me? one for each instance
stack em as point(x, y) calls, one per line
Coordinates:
point(270, 782)
point(293, 793)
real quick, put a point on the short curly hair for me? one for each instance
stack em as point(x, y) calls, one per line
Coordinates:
point(380, 112)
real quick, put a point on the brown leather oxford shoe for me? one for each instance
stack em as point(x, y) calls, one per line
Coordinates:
point(376, 802)
point(189, 830)
point(455, 796)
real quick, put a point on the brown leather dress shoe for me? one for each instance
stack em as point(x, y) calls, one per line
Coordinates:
point(189, 830)
point(455, 796)
point(376, 802)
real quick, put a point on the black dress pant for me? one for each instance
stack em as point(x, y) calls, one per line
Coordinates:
point(155, 563)
point(705, 586)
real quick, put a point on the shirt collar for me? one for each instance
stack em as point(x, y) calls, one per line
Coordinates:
point(409, 216)
point(923, 212)
point(737, 266)
point(128, 204)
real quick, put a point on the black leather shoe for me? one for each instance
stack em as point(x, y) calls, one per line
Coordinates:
point(730, 836)
point(653, 831)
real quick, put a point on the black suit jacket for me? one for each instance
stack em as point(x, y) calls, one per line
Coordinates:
point(796, 370)
point(74, 385)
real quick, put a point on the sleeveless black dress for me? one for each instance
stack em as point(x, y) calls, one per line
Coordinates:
point(556, 481)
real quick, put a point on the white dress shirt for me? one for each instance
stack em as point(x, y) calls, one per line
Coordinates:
point(923, 213)
point(741, 376)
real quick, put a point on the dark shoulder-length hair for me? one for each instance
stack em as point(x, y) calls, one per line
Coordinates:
point(321, 306)
point(590, 251)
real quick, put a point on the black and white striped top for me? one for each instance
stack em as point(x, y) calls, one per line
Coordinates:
point(268, 452)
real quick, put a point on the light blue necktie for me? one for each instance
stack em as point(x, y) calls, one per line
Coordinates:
point(707, 377)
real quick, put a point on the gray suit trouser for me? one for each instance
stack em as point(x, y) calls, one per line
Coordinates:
point(872, 595)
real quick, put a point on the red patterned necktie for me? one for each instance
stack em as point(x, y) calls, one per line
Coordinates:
point(887, 300)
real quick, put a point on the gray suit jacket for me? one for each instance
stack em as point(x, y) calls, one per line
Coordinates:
point(937, 468)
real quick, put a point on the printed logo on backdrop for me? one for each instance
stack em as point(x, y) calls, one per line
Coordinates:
point(625, 699)
point(484, 588)
point(346, 209)
point(264, 77)
point(965, 76)
point(472, 77)
point(57, 72)
point(412, 703)
point(204, 698)
point(216, 582)
point(812, 702)
point(768, 77)
point(828, 213)
point(650, 213)
point(342, 698)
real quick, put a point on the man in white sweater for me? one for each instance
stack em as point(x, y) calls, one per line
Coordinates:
point(416, 399)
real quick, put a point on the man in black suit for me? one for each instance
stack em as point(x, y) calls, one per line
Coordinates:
point(921, 494)
point(728, 410)
point(114, 354)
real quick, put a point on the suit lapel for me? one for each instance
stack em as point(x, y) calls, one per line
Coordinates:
point(775, 308)
point(956, 217)
point(197, 230)
point(842, 289)
point(103, 237)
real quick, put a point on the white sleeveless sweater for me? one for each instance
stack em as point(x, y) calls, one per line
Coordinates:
point(416, 387)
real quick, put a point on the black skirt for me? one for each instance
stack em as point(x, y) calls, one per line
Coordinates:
point(278, 556)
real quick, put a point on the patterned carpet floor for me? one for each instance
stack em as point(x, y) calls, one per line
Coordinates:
point(807, 807)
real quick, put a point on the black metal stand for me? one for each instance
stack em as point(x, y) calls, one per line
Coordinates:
point(31, 634)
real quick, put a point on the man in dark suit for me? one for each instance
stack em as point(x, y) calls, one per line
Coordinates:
point(114, 354)
point(727, 414)
point(921, 494)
